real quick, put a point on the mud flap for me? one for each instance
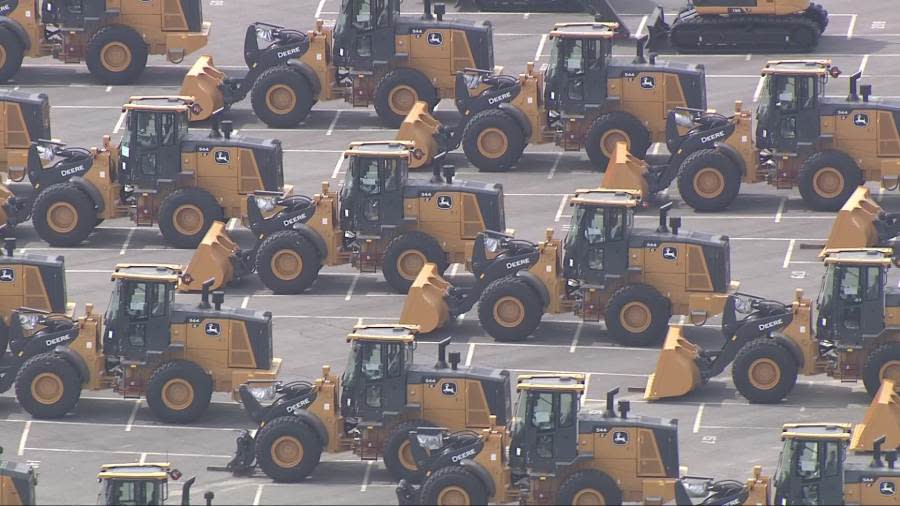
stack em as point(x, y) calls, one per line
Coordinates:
point(855, 224)
point(421, 127)
point(626, 172)
point(676, 371)
point(214, 258)
point(424, 304)
point(203, 82)
point(882, 418)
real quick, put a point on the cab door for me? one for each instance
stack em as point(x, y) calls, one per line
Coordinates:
point(151, 149)
point(551, 432)
point(375, 197)
point(790, 121)
point(141, 322)
point(859, 303)
point(366, 34)
point(597, 245)
point(383, 382)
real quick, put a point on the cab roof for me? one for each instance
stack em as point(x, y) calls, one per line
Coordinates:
point(584, 30)
point(858, 256)
point(167, 273)
point(159, 103)
point(405, 334)
point(380, 149)
point(554, 382)
point(817, 431)
point(158, 471)
point(793, 67)
point(604, 197)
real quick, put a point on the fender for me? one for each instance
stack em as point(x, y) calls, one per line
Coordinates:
point(535, 283)
point(520, 118)
point(92, 191)
point(310, 75)
point(734, 156)
point(17, 29)
point(314, 237)
point(481, 473)
point(315, 423)
point(792, 346)
point(75, 360)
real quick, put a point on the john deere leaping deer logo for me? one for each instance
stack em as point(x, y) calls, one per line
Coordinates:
point(648, 82)
point(861, 120)
point(435, 38)
point(620, 438)
point(222, 157)
point(670, 253)
point(887, 488)
point(445, 202)
point(448, 389)
point(7, 275)
point(213, 329)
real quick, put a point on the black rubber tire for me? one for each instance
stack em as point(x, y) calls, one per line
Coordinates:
point(840, 162)
point(709, 159)
point(298, 84)
point(75, 197)
point(189, 372)
point(888, 352)
point(288, 426)
point(520, 290)
point(589, 479)
point(425, 92)
point(764, 348)
point(48, 363)
point(15, 53)
point(124, 35)
point(453, 476)
point(293, 241)
point(502, 121)
point(410, 241)
point(198, 197)
point(660, 312)
point(395, 439)
point(638, 136)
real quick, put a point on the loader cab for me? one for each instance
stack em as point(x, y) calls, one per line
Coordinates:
point(364, 33)
point(578, 67)
point(545, 422)
point(374, 381)
point(372, 193)
point(596, 246)
point(787, 119)
point(810, 470)
point(138, 317)
point(852, 298)
point(135, 484)
point(150, 149)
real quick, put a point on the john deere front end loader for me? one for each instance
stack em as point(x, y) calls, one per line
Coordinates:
point(372, 55)
point(114, 37)
point(141, 483)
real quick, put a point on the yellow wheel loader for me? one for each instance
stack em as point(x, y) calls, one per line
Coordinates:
point(159, 173)
point(378, 219)
point(381, 396)
point(17, 483)
point(558, 454)
point(372, 55)
point(635, 279)
point(799, 137)
point(742, 26)
point(176, 355)
point(114, 37)
point(145, 484)
point(583, 98)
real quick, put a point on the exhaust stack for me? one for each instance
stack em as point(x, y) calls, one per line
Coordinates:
point(854, 79)
point(442, 354)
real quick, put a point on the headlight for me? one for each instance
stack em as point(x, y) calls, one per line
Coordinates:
point(265, 204)
point(472, 80)
point(264, 34)
point(742, 305)
point(430, 441)
point(45, 152)
point(29, 321)
point(491, 244)
point(684, 120)
point(262, 392)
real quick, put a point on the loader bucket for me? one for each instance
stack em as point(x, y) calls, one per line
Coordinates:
point(203, 82)
point(854, 225)
point(213, 259)
point(881, 419)
point(425, 305)
point(676, 371)
point(420, 127)
point(625, 172)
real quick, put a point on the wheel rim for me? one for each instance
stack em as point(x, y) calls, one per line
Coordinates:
point(188, 220)
point(281, 99)
point(891, 371)
point(286, 264)
point(2, 56)
point(405, 456)
point(636, 317)
point(177, 394)
point(610, 138)
point(401, 99)
point(764, 373)
point(409, 263)
point(62, 217)
point(588, 497)
point(453, 496)
point(115, 56)
point(492, 143)
point(709, 183)
point(47, 388)
point(287, 452)
point(509, 311)
point(828, 182)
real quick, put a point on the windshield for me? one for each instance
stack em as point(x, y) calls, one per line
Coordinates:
point(825, 291)
point(783, 471)
point(350, 371)
point(518, 421)
point(115, 300)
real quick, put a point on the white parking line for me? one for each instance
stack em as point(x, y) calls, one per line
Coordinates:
point(352, 286)
point(119, 124)
point(259, 488)
point(470, 354)
point(127, 241)
point(24, 438)
point(863, 63)
point(134, 411)
point(851, 27)
point(333, 122)
point(365, 483)
point(319, 9)
point(131, 452)
point(562, 206)
point(640, 30)
point(540, 48)
point(143, 458)
point(780, 210)
point(575, 337)
point(787, 256)
point(554, 166)
point(699, 417)
point(337, 166)
point(245, 302)
point(759, 87)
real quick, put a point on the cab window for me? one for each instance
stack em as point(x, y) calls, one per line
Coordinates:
point(850, 286)
point(542, 411)
point(873, 283)
point(594, 227)
point(566, 409)
point(145, 129)
point(362, 12)
point(573, 57)
point(168, 129)
point(367, 176)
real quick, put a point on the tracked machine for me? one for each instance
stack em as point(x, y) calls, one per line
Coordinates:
point(740, 26)
point(381, 396)
point(372, 55)
point(379, 218)
point(799, 137)
point(634, 279)
point(114, 37)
